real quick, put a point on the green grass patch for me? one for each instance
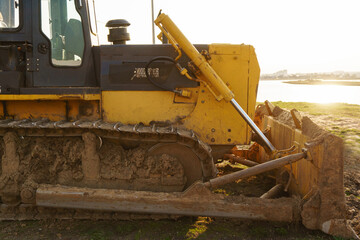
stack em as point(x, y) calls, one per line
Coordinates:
point(259, 232)
point(281, 231)
point(125, 228)
point(138, 235)
point(98, 235)
point(335, 109)
point(338, 238)
point(223, 228)
point(350, 136)
point(343, 132)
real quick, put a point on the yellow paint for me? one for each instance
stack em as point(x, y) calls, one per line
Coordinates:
point(1, 110)
point(53, 110)
point(191, 98)
point(55, 107)
point(131, 107)
point(254, 75)
point(88, 110)
point(218, 122)
point(25, 97)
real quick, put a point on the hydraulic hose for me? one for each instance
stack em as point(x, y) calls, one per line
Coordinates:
point(161, 58)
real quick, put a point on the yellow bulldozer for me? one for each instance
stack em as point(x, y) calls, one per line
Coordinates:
point(91, 130)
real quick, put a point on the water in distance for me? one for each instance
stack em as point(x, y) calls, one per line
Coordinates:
point(277, 90)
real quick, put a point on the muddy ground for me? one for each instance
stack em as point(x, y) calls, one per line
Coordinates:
point(205, 228)
point(184, 228)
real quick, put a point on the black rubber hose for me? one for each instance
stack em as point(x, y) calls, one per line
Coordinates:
point(162, 58)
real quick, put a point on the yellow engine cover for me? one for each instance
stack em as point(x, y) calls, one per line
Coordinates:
point(216, 123)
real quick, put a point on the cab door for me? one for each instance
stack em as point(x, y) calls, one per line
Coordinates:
point(62, 55)
point(12, 37)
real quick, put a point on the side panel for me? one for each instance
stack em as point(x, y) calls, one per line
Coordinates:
point(132, 107)
point(218, 123)
point(129, 97)
point(53, 107)
point(53, 110)
point(123, 68)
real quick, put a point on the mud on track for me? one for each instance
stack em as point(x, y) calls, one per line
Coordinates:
point(194, 228)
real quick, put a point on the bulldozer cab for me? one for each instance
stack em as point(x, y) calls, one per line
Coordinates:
point(52, 38)
point(61, 24)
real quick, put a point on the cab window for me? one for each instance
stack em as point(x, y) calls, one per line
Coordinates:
point(61, 23)
point(9, 14)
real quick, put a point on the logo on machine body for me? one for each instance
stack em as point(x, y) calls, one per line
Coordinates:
point(140, 73)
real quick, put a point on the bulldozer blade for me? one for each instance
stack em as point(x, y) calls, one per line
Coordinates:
point(196, 201)
point(318, 181)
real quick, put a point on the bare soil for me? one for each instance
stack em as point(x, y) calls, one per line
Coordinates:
point(184, 228)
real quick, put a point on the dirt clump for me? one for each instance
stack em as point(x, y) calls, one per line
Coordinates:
point(352, 193)
point(283, 116)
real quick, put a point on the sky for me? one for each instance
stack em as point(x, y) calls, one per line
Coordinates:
point(300, 36)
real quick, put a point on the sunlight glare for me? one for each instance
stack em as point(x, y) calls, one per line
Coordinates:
point(325, 94)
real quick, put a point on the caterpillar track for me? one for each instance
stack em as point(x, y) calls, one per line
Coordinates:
point(94, 154)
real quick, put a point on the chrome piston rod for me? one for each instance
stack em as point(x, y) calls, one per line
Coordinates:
point(252, 125)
